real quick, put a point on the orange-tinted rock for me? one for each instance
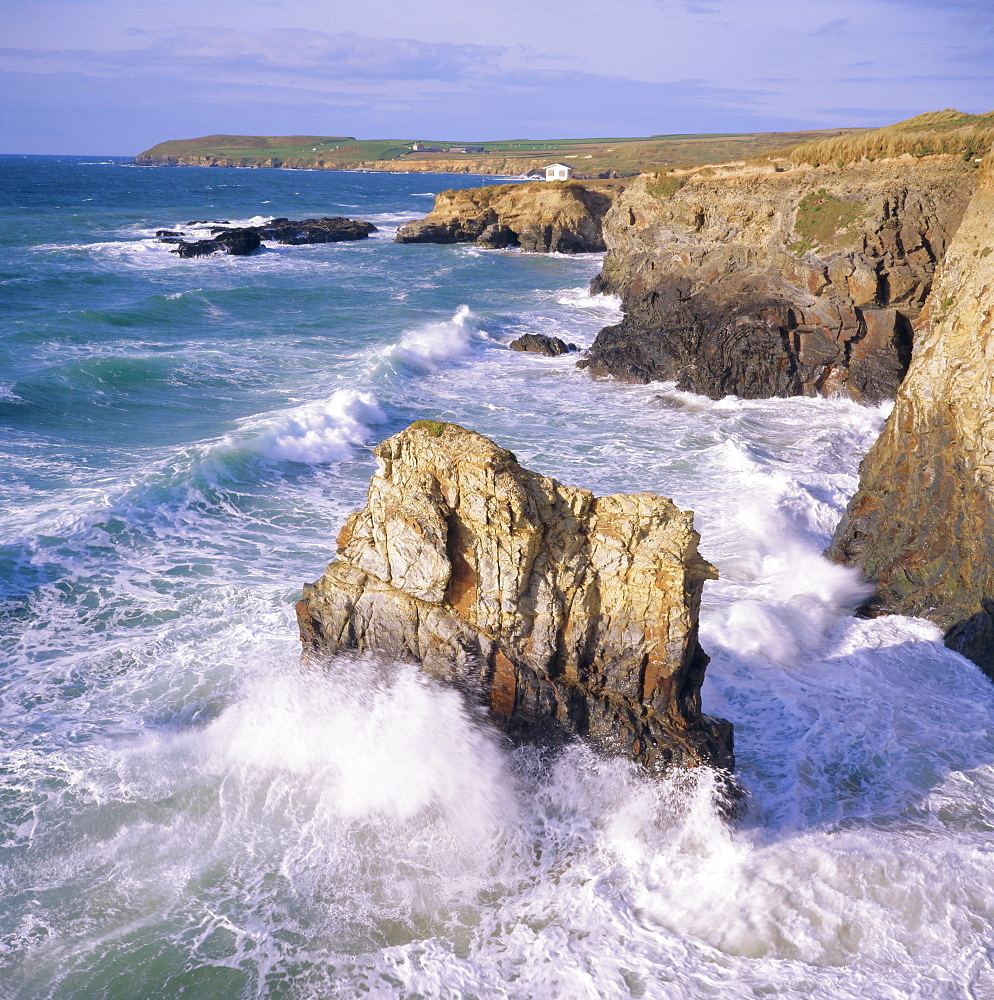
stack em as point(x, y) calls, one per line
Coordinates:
point(563, 613)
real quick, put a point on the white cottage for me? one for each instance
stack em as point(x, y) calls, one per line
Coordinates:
point(558, 172)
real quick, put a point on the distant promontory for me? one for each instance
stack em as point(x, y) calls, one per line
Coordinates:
point(588, 157)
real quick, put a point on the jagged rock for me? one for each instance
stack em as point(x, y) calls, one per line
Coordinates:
point(922, 522)
point(167, 232)
point(334, 229)
point(195, 248)
point(744, 285)
point(237, 242)
point(243, 240)
point(563, 613)
point(539, 343)
point(537, 216)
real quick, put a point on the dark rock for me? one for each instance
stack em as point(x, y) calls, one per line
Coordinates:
point(239, 242)
point(497, 237)
point(197, 248)
point(167, 232)
point(325, 230)
point(243, 240)
point(539, 343)
point(734, 286)
point(974, 637)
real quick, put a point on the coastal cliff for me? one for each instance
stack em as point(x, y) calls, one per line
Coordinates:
point(777, 283)
point(922, 522)
point(564, 613)
point(562, 217)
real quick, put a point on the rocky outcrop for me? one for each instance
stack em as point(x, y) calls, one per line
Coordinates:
point(242, 240)
point(237, 242)
point(922, 522)
point(335, 229)
point(780, 283)
point(560, 217)
point(564, 613)
point(539, 343)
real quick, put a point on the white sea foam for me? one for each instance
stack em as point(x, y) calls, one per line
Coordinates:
point(315, 433)
point(435, 344)
point(583, 298)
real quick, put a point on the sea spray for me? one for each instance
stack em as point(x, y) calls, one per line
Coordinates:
point(428, 347)
point(320, 432)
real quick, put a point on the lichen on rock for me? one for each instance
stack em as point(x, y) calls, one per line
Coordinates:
point(564, 613)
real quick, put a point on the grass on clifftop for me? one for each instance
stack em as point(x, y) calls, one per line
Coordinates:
point(825, 222)
point(949, 132)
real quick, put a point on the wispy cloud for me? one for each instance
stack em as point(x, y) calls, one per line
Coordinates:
point(831, 28)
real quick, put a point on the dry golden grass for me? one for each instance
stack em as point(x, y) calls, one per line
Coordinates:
point(947, 132)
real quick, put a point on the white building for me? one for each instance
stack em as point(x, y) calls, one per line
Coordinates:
point(558, 172)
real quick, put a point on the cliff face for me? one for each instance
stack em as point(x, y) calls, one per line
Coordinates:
point(922, 522)
point(564, 613)
point(777, 284)
point(564, 217)
point(460, 165)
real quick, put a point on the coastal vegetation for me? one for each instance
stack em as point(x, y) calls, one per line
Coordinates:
point(825, 222)
point(948, 132)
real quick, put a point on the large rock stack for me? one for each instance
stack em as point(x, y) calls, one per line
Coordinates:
point(564, 613)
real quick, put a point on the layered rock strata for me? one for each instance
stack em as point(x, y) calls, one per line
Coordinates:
point(561, 217)
point(777, 284)
point(564, 613)
point(922, 522)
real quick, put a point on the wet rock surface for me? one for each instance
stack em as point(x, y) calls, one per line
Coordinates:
point(536, 216)
point(565, 614)
point(539, 343)
point(922, 521)
point(242, 240)
point(801, 283)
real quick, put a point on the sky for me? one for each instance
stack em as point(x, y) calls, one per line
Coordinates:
point(114, 77)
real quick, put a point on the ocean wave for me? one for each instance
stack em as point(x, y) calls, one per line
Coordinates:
point(315, 433)
point(435, 344)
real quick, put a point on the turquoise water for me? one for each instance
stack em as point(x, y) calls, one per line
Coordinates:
point(185, 810)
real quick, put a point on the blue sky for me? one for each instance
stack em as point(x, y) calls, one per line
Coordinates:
point(116, 76)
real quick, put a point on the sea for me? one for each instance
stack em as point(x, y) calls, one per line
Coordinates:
point(188, 811)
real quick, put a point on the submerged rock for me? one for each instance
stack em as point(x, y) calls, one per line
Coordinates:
point(564, 613)
point(537, 216)
point(539, 343)
point(776, 284)
point(922, 522)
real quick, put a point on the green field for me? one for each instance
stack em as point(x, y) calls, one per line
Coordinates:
point(623, 155)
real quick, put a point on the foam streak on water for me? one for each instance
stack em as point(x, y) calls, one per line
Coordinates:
point(185, 810)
